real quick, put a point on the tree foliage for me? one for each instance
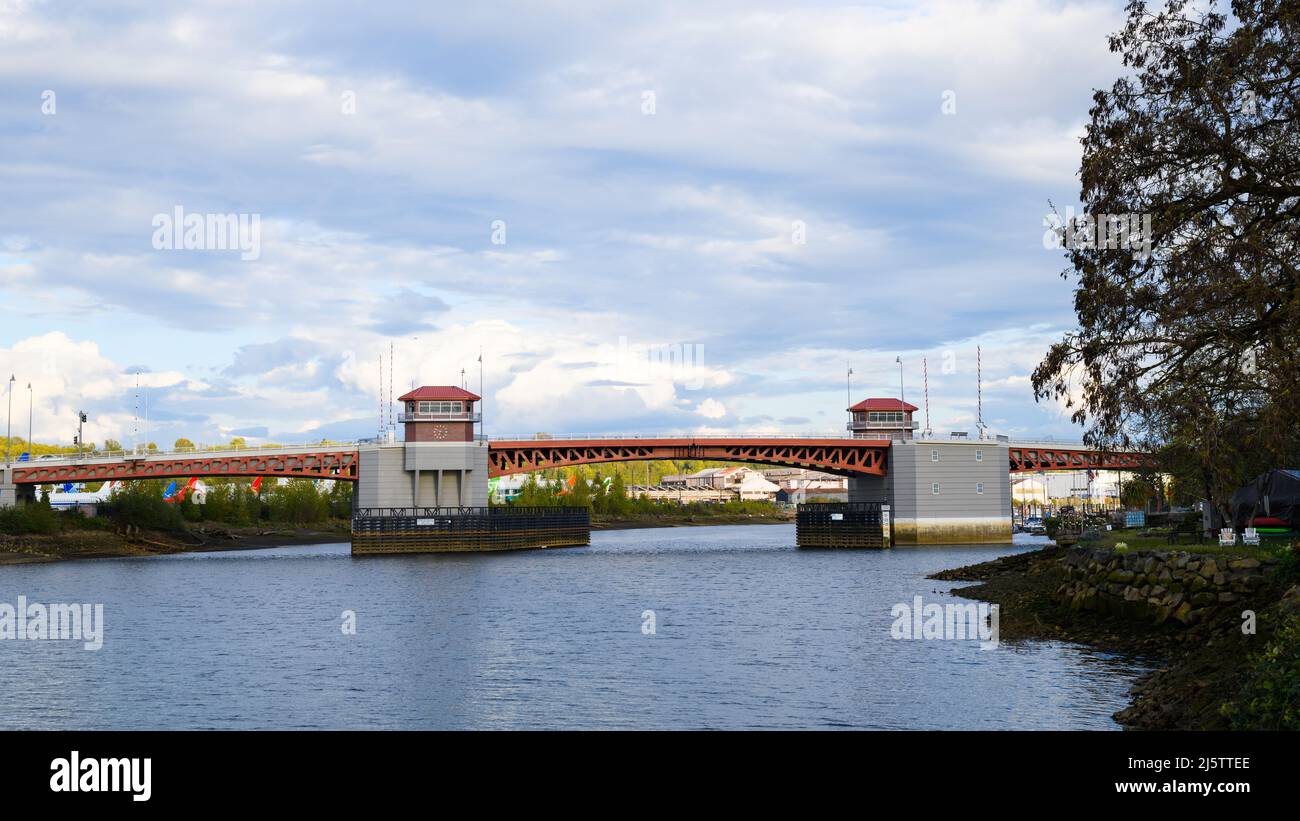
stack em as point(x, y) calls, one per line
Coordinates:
point(141, 503)
point(1193, 347)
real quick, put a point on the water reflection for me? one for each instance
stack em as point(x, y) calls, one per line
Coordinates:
point(749, 632)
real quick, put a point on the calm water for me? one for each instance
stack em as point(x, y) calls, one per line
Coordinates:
point(750, 633)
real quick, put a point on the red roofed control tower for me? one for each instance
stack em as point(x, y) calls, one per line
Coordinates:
point(882, 419)
point(439, 413)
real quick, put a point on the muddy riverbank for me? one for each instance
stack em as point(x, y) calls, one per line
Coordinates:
point(133, 542)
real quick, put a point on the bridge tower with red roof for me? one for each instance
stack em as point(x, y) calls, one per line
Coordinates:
point(939, 491)
point(439, 464)
point(429, 492)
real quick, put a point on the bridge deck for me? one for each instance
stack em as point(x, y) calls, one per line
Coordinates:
point(838, 455)
point(315, 462)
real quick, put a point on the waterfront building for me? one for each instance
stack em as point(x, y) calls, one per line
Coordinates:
point(743, 483)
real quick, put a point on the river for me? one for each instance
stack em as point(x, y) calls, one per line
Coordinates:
point(748, 632)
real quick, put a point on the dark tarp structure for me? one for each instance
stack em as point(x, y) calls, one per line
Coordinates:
point(1275, 493)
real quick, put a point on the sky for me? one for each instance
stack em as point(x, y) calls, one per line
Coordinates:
point(666, 217)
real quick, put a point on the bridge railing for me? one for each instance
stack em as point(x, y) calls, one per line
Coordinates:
point(214, 450)
point(1044, 442)
point(568, 437)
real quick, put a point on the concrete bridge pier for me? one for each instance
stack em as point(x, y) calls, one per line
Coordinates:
point(12, 495)
point(8, 490)
point(429, 493)
point(943, 491)
point(423, 474)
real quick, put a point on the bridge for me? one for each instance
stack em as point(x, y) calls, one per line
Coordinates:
point(844, 456)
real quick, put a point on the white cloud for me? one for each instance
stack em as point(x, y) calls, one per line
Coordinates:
point(675, 227)
point(711, 409)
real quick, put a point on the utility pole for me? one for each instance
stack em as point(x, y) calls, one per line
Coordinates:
point(31, 402)
point(848, 384)
point(482, 429)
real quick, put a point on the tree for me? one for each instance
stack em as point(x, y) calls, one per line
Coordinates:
point(340, 500)
point(183, 444)
point(141, 503)
point(297, 502)
point(112, 445)
point(1136, 494)
point(616, 501)
point(1191, 348)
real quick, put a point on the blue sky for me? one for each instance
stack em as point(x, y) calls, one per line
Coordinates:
point(776, 189)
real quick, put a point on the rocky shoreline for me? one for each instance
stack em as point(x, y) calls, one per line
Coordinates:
point(1176, 611)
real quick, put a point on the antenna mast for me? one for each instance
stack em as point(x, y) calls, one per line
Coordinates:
point(381, 393)
point(979, 391)
point(391, 426)
point(925, 371)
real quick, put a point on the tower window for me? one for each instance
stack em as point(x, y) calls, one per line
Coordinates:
point(441, 407)
point(934, 457)
point(934, 488)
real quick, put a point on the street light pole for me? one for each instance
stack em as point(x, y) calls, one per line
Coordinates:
point(31, 402)
point(9, 420)
point(902, 397)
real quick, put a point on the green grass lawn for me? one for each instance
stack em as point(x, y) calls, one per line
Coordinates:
point(1136, 541)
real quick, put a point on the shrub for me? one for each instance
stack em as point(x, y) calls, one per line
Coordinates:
point(30, 518)
point(141, 503)
point(1270, 698)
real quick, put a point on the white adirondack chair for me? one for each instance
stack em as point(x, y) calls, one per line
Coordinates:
point(1250, 537)
point(1227, 537)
